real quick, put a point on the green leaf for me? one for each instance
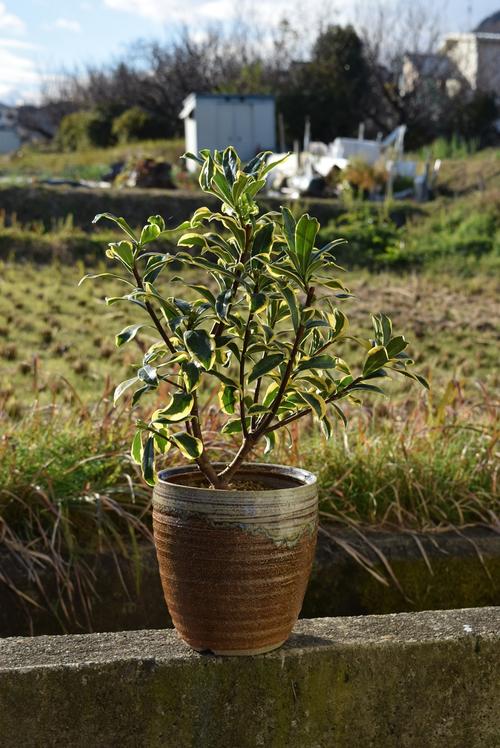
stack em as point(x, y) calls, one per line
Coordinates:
point(191, 375)
point(140, 392)
point(315, 402)
point(270, 441)
point(367, 388)
point(227, 399)
point(234, 426)
point(326, 428)
point(340, 323)
point(136, 448)
point(205, 293)
point(121, 222)
point(178, 409)
point(230, 164)
point(148, 375)
point(190, 446)
point(222, 304)
point(396, 345)
point(192, 239)
point(149, 233)
point(157, 221)
point(148, 461)
point(162, 442)
point(339, 413)
point(305, 237)
point(273, 165)
point(289, 227)
point(128, 333)
point(265, 365)
point(123, 251)
point(417, 377)
point(222, 187)
point(262, 240)
point(202, 346)
point(322, 361)
point(382, 326)
point(258, 302)
point(120, 389)
point(292, 305)
point(375, 359)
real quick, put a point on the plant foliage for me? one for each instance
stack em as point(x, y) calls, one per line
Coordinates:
point(266, 325)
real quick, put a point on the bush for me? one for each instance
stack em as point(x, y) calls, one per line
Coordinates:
point(131, 125)
point(84, 129)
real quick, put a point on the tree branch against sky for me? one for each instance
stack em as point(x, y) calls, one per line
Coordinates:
point(47, 36)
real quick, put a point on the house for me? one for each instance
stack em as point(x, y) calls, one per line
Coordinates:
point(468, 61)
point(10, 139)
point(215, 121)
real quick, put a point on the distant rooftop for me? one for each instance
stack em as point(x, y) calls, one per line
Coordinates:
point(433, 64)
point(490, 25)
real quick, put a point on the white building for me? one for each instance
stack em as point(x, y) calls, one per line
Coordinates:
point(215, 121)
point(465, 61)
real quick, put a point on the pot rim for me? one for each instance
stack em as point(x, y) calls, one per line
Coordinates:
point(302, 479)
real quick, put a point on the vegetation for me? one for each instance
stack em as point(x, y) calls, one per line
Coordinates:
point(131, 125)
point(345, 76)
point(270, 333)
point(84, 163)
point(464, 232)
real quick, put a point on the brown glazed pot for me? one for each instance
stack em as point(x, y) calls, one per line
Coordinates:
point(234, 565)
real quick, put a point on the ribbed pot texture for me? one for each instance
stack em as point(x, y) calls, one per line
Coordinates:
point(234, 564)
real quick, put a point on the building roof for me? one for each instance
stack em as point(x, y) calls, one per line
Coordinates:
point(490, 24)
point(190, 101)
point(432, 65)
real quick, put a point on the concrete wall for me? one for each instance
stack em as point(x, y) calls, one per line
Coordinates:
point(433, 571)
point(417, 680)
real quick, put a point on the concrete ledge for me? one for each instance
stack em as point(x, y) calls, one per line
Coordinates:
point(411, 679)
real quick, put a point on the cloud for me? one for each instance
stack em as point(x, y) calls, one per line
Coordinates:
point(66, 24)
point(9, 21)
point(192, 12)
point(17, 73)
point(187, 10)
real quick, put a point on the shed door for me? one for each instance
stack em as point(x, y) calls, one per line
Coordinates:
point(235, 127)
point(243, 129)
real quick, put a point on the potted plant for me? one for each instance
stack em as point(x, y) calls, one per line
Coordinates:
point(235, 540)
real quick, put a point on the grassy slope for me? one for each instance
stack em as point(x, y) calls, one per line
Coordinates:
point(88, 164)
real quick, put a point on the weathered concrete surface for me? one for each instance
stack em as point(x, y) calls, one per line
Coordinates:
point(458, 571)
point(417, 680)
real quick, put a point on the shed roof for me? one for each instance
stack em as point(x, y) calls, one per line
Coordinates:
point(190, 101)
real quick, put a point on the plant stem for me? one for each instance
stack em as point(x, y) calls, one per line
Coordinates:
point(203, 462)
point(152, 313)
point(306, 411)
point(288, 371)
point(194, 424)
point(244, 347)
point(219, 327)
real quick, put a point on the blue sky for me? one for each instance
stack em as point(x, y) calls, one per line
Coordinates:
point(42, 37)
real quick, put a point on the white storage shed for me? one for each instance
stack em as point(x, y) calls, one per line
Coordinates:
point(216, 120)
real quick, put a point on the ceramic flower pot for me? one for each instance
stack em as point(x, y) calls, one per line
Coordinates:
point(234, 564)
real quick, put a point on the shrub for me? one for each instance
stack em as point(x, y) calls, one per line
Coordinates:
point(266, 328)
point(84, 129)
point(131, 125)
